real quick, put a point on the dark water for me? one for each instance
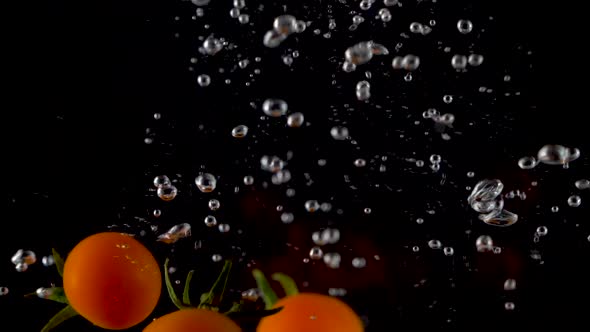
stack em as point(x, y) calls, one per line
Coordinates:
point(87, 80)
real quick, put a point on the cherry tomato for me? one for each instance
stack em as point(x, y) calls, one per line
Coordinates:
point(193, 320)
point(112, 280)
point(308, 312)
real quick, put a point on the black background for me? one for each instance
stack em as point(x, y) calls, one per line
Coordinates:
point(84, 79)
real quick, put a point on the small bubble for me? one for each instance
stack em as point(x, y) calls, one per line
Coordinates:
point(275, 107)
point(295, 120)
point(206, 182)
point(4, 291)
point(419, 221)
point(360, 162)
point(509, 285)
point(555, 209)
point(330, 236)
point(161, 181)
point(475, 60)
point(582, 184)
point(210, 221)
point(459, 61)
point(214, 204)
point(435, 159)
point(332, 260)
point(167, 193)
point(415, 248)
point(21, 267)
point(359, 262)
point(234, 12)
point(287, 217)
point(239, 131)
point(484, 243)
point(367, 211)
point(240, 4)
point(410, 62)
point(420, 163)
point(216, 258)
point(176, 233)
point(316, 253)
point(434, 244)
point(312, 205)
point(448, 251)
point(339, 133)
point(416, 27)
point(47, 260)
point(248, 180)
point(223, 228)
point(390, 3)
point(204, 80)
point(542, 230)
point(464, 26)
point(470, 174)
point(365, 4)
point(447, 99)
point(574, 201)
point(527, 162)
point(497, 250)
point(244, 18)
point(509, 306)
point(357, 19)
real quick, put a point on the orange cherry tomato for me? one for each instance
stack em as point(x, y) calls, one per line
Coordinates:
point(112, 280)
point(309, 312)
point(193, 320)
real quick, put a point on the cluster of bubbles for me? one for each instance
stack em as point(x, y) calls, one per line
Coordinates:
point(236, 12)
point(419, 28)
point(22, 259)
point(486, 199)
point(283, 26)
point(551, 154)
point(460, 62)
point(165, 190)
point(408, 62)
point(361, 53)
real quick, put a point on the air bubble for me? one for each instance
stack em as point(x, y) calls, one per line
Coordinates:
point(509, 285)
point(275, 107)
point(359, 262)
point(527, 162)
point(223, 228)
point(574, 201)
point(204, 80)
point(161, 181)
point(316, 253)
point(206, 182)
point(210, 221)
point(239, 131)
point(464, 26)
point(434, 244)
point(339, 133)
point(287, 217)
point(312, 205)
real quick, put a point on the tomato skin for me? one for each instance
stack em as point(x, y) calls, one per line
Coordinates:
point(112, 280)
point(310, 312)
point(193, 320)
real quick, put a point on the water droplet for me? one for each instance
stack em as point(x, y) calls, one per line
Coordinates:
point(206, 182)
point(287, 217)
point(434, 244)
point(248, 180)
point(316, 253)
point(410, 62)
point(312, 205)
point(244, 18)
point(484, 243)
point(542, 230)
point(295, 120)
point(275, 107)
point(332, 260)
point(574, 201)
point(416, 27)
point(223, 228)
point(582, 184)
point(204, 80)
point(210, 221)
point(161, 181)
point(464, 26)
point(475, 60)
point(359, 262)
point(285, 24)
point(527, 162)
point(459, 61)
point(339, 133)
point(214, 204)
point(167, 193)
point(239, 131)
point(448, 251)
point(509, 285)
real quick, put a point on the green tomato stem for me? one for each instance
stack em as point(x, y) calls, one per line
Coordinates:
point(218, 288)
point(287, 283)
point(63, 315)
point(268, 294)
point(170, 289)
point(185, 295)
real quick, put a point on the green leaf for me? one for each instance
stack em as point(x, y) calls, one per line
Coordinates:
point(185, 295)
point(268, 294)
point(170, 289)
point(63, 315)
point(287, 283)
point(59, 262)
point(218, 288)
